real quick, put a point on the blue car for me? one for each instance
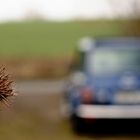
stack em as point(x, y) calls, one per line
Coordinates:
point(105, 83)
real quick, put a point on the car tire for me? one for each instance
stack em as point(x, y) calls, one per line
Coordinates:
point(77, 125)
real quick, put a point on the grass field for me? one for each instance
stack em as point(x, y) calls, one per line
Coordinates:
point(50, 39)
point(42, 49)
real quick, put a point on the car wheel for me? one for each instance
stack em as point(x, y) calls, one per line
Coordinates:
point(77, 125)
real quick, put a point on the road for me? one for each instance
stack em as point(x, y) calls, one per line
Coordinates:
point(40, 86)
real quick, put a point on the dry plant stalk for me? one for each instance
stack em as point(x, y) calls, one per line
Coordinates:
point(6, 89)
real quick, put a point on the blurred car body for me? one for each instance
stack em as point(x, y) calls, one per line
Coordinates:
point(105, 83)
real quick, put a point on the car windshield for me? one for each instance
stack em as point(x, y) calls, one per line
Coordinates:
point(103, 61)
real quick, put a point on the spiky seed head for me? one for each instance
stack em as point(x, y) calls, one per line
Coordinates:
point(6, 88)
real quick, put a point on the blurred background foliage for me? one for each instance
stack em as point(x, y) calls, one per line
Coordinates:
point(39, 49)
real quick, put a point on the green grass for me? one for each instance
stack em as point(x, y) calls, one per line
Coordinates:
point(50, 39)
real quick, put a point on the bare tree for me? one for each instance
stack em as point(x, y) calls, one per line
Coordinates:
point(130, 11)
point(134, 8)
point(126, 8)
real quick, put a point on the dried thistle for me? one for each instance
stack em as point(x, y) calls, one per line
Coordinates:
point(6, 89)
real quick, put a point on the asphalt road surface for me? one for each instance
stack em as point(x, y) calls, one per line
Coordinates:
point(40, 86)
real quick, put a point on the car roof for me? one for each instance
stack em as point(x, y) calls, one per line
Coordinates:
point(117, 42)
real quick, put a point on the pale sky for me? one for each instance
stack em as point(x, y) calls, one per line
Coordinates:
point(55, 9)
